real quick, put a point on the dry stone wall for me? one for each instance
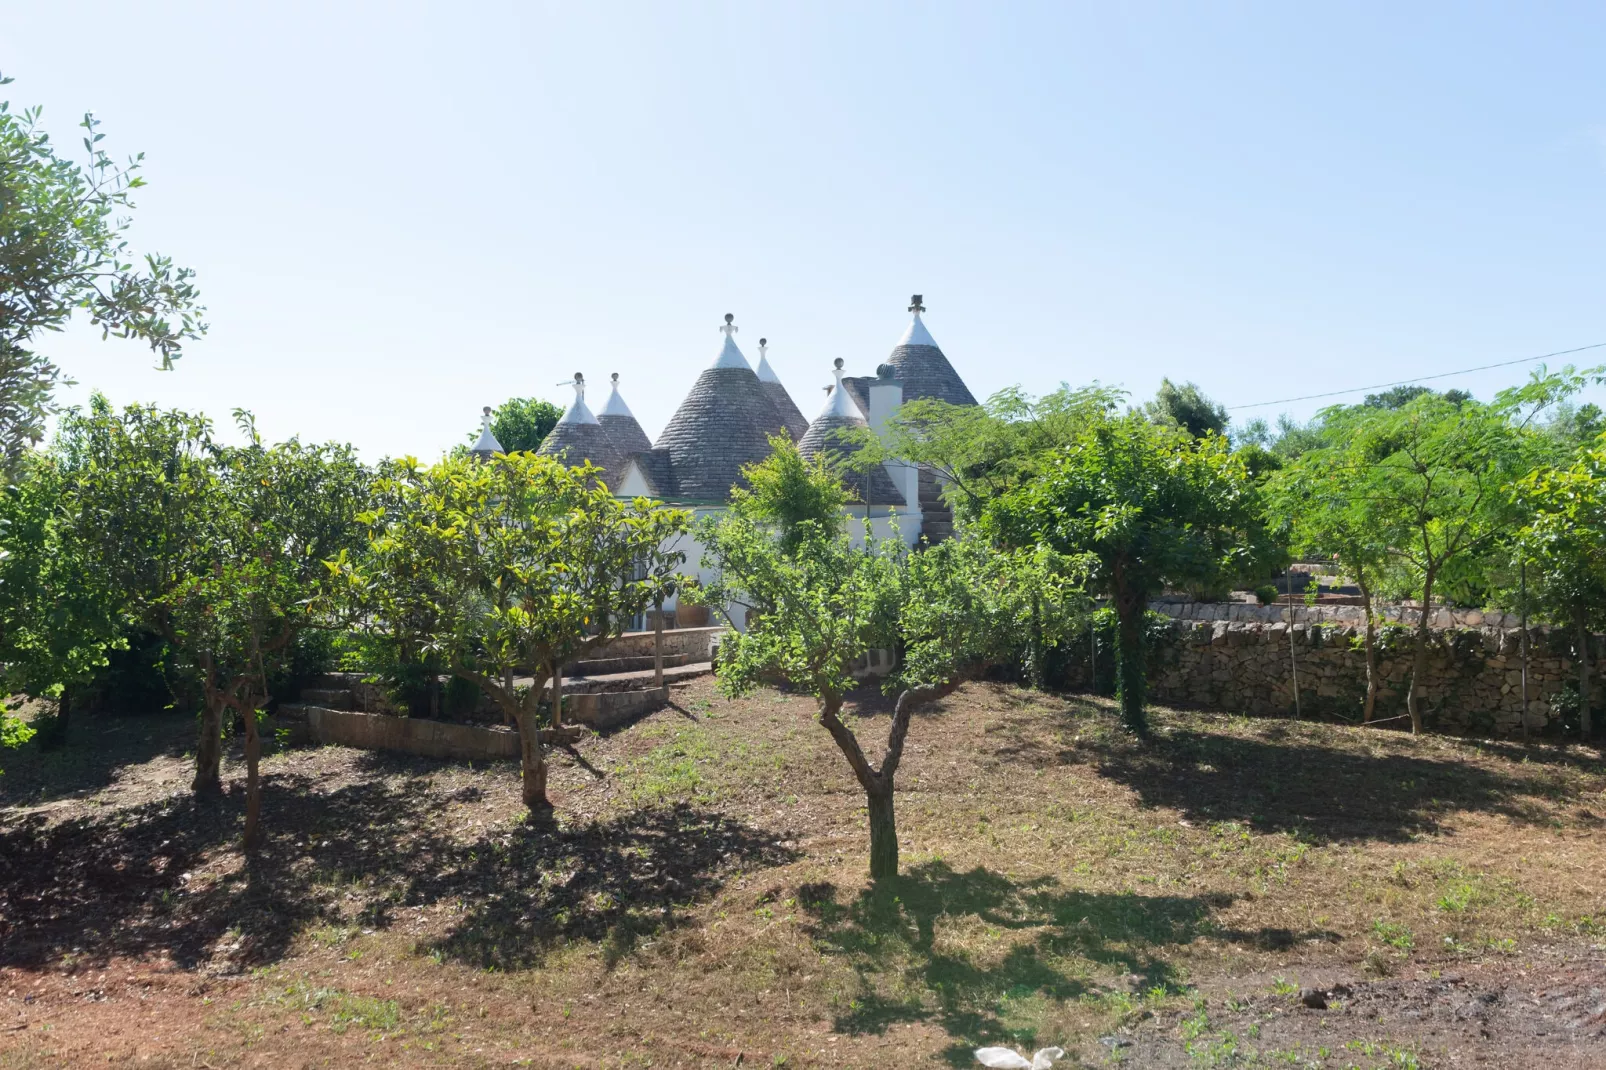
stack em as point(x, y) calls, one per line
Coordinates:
point(1236, 657)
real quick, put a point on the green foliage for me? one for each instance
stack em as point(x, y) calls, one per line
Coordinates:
point(985, 451)
point(1564, 545)
point(64, 247)
point(1186, 407)
point(1152, 506)
point(817, 602)
point(58, 619)
point(522, 423)
point(219, 550)
point(786, 492)
point(506, 566)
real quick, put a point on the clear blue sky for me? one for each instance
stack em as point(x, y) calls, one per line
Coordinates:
point(401, 212)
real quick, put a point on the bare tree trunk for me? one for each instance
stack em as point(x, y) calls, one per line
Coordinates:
point(1586, 727)
point(883, 831)
point(1369, 710)
point(1293, 659)
point(1131, 680)
point(880, 785)
point(557, 696)
point(253, 779)
point(209, 749)
point(1039, 678)
point(658, 644)
point(1419, 667)
point(1524, 651)
point(532, 762)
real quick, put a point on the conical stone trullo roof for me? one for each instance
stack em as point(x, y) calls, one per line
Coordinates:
point(822, 437)
point(725, 422)
point(921, 365)
point(790, 415)
point(578, 437)
point(620, 423)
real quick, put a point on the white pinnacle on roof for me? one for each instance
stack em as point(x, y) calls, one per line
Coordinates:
point(487, 443)
point(729, 355)
point(616, 405)
point(766, 374)
point(578, 412)
point(917, 335)
point(838, 403)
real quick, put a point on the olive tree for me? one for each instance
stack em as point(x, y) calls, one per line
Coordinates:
point(64, 248)
point(509, 566)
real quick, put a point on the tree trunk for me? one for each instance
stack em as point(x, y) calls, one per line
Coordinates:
point(532, 760)
point(557, 696)
point(209, 750)
point(658, 644)
point(1586, 728)
point(253, 779)
point(1419, 666)
point(1130, 673)
point(1036, 675)
point(64, 712)
point(883, 831)
point(1369, 709)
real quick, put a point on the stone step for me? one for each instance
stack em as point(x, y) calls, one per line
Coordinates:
point(608, 666)
point(629, 681)
point(328, 698)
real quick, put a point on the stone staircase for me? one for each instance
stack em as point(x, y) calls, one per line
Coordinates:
point(937, 520)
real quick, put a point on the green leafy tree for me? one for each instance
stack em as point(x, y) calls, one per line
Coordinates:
point(57, 619)
point(1154, 507)
point(220, 550)
point(1323, 504)
point(282, 513)
point(820, 600)
point(1564, 541)
point(146, 490)
point(517, 564)
point(1428, 480)
point(1187, 407)
point(522, 423)
point(64, 248)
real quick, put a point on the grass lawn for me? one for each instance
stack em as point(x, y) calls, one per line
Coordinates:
point(700, 898)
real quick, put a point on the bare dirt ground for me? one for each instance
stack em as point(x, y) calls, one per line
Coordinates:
point(700, 899)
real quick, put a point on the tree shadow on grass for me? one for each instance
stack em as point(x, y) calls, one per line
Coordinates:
point(889, 935)
point(543, 885)
point(96, 748)
point(1327, 793)
point(126, 883)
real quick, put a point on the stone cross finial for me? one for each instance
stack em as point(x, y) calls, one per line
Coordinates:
point(915, 305)
point(730, 327)
point(579, 384)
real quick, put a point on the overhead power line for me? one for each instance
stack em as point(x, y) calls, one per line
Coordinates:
point(1420, 379)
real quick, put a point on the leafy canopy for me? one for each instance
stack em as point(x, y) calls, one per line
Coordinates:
point(64, 248)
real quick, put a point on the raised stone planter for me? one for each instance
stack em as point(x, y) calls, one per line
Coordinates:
point(411, 735)
point(610, 709)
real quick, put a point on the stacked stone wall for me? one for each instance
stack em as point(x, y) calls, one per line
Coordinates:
point(1236, 657)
